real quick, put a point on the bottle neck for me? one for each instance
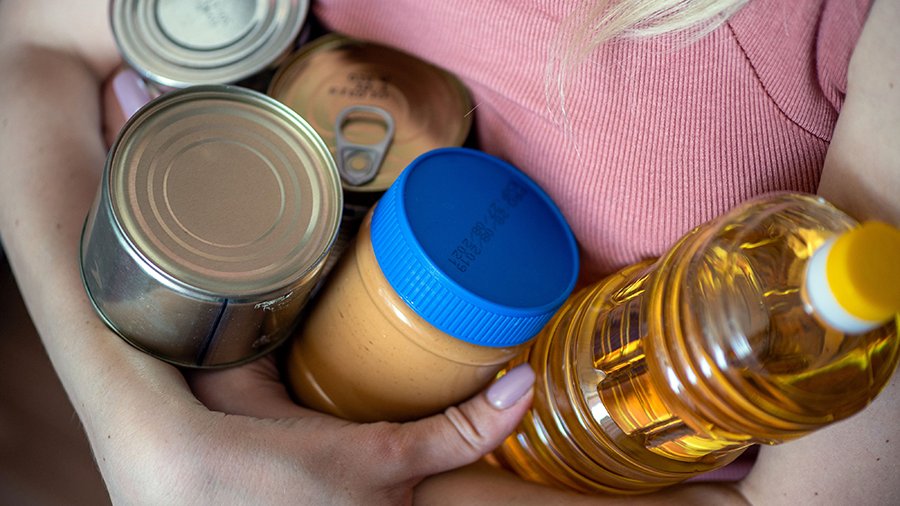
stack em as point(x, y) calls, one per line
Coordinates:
point(741, 350)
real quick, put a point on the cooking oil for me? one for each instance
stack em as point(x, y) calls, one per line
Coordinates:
point(672, 368)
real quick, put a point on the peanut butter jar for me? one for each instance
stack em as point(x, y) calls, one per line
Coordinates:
point(457, 267)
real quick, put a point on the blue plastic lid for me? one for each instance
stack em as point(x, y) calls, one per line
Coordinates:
point(475, 247)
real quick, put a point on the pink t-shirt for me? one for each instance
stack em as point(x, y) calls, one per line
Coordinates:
point(661, 134)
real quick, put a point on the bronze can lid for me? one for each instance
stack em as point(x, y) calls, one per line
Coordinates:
point(178, 43)
point(225, 191)
point(429, 106)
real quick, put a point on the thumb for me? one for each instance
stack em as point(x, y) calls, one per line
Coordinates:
point(461, 435)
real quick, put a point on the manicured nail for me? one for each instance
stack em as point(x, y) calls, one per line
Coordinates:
point(511, 387)
point(131, 91)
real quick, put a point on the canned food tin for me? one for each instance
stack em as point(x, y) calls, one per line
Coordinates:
point(426, 107)
point(216, 212)
point(178, 43)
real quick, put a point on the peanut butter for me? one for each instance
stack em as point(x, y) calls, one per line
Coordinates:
point(461, 262)
point(384, 350)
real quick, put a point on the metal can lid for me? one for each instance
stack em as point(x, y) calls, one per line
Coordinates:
point(178, 43)
point(430, 107)
point(225, 191)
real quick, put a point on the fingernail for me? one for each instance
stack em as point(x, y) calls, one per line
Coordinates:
point(131, 91)
point(511, 387)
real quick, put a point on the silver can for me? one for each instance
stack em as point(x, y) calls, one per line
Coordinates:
point(216, 212)
point(178, 43)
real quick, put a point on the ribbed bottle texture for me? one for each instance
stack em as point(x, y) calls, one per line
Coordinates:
point(672, 368)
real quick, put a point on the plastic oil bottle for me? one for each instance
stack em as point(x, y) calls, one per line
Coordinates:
point(756, 328)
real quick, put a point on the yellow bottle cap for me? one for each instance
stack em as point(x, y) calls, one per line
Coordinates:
point(863, 270)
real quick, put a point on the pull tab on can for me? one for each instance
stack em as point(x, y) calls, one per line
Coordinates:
point(359, 163)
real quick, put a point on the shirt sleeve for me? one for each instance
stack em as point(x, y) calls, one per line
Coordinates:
point(840, 26)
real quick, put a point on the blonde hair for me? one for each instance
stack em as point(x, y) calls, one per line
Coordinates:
point(604, 21)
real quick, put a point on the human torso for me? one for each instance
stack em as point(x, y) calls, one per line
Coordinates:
point(656, 135)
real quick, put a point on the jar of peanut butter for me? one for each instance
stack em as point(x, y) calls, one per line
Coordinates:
point(460, 263)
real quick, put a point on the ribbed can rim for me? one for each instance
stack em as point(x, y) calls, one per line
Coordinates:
point(224, 192)
point(178, 43)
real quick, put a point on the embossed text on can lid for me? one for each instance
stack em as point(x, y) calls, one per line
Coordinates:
point(225, 191)
point(177, 43)
point(430, 107)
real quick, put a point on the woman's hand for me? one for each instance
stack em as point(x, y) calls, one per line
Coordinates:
point(249, 443)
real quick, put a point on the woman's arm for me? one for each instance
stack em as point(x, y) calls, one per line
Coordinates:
point(53, 56)
point(862, 167)
point(481, 484)
point(854, 461)
point(154, 442)
point(50, 161)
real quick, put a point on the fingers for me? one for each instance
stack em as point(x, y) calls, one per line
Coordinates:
point(253, 389)
point(123, 94)
point(405, 453)
point(462, 435)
